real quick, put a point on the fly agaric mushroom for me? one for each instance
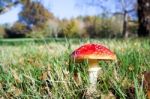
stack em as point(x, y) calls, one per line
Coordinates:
point(92, 53)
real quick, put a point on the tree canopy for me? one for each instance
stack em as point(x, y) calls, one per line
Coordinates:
point(34, 14)
point(5, 5)
point(36, 17)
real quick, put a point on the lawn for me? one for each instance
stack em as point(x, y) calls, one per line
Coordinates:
point(38, 69)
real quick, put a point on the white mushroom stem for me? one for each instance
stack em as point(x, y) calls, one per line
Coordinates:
point(94, 70)
point(93, 75)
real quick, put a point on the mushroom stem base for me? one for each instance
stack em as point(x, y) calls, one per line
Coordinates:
point(93, 74)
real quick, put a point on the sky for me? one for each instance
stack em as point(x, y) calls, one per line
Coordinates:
point(60, 8)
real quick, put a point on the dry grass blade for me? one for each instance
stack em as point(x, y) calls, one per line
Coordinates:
point(15, 75)
point(110, 95)
point(14, 91)
point(44, 76)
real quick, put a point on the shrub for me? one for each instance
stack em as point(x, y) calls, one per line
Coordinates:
point(109, 28)
point(2, 32)
point(71, 29)
point(18, 30)
point(39, 33)
point(53, 28)
point(98, 27)
point(132, 28)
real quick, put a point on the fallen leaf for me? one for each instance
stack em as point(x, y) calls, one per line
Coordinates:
point(130, 92)
point(148, 94)
point(147, 83)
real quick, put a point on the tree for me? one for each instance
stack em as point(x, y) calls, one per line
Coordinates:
point(71, 29)
point(34, 14)
point(127, 7)
point(17, 30)
point(2, 31)
point(144, 18)
point(101, 27)
point(90, 25)
point(54, 28)
point(5, 5)
point(122, 6)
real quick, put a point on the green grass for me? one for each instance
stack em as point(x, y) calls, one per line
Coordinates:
point(34, 70)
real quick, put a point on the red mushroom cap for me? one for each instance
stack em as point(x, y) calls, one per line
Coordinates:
point(93, 51)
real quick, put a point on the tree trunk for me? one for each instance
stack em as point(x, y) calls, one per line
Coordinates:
point(144, 18)
point(125, 22)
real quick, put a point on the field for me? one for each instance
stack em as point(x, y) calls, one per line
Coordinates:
point(34, 69)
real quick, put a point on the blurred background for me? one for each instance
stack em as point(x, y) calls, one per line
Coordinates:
point(37, 38)
point(74, 18)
